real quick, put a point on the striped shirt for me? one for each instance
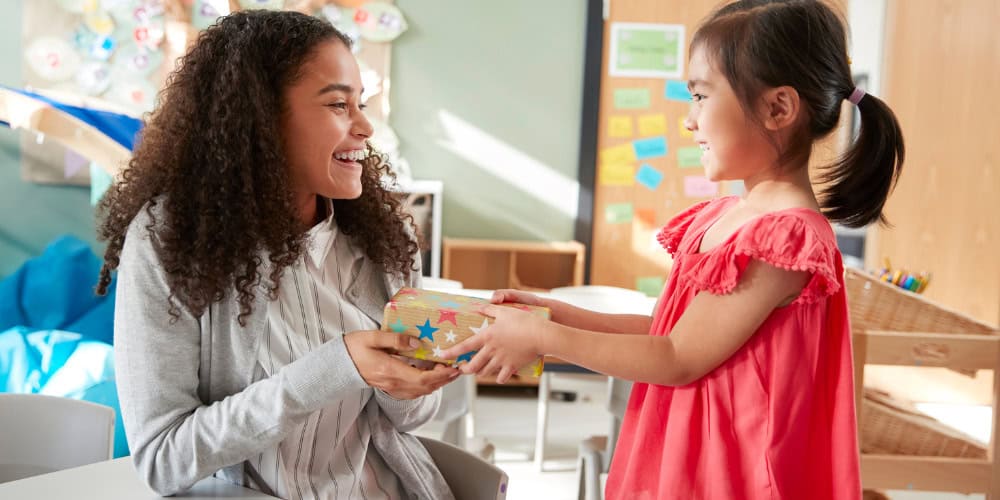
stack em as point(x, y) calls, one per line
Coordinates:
point(330, 455)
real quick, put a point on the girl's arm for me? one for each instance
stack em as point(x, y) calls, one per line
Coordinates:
point(577, 317)
point(711, 329)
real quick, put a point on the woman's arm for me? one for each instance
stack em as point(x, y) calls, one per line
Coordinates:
point(701, 340)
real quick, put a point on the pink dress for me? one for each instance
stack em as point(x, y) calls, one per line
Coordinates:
point(774, 421)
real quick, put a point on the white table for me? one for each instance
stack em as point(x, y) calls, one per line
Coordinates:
point(110, 480)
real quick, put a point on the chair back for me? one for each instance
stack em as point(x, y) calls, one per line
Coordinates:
point(468, 476)
point(41, 434)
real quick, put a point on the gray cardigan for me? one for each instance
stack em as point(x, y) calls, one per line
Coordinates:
point(187, 400)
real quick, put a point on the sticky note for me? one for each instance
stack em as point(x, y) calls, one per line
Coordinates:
point(631, 98)
point(650, 148)
point(677, 90)
point(617, 213)
point(652, 286)
point(689, 157)
point(652, 125)
point(682, 129)
point(616, 174)
point(624, 153)
point(645, 215)
point(698, 186)
point(620, 126)
point(649, 176)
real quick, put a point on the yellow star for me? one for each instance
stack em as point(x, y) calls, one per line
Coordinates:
point(538, 368)
point(420, 353)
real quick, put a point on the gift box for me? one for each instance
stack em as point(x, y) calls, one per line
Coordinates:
point(441, 320)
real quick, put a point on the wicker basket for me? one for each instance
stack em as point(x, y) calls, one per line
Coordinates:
point(876, 305)
point(889, 426)
point(892, 427)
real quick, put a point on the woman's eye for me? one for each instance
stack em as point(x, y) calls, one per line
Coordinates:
point(362, 106)
point(338, 105)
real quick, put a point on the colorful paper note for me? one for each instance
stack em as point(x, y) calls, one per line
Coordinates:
point(649, 177)
point(650, 148)
point(620, 126)
point(624, 153)
point(73, 162)
point(652, 286)
point(632, 98)
point(682, 129)
point(646, 50)
point(646, 216)
point(618, 213)
point(652, 125)
point(689, 157)
point(698, 186)
point(677, 90)
point(616, 174)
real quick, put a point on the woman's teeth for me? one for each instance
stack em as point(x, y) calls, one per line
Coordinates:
point(356, 155)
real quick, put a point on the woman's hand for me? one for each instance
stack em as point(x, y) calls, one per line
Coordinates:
point(515, 339)
point(370, 351)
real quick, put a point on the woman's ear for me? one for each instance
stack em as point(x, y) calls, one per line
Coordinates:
point(781, 107)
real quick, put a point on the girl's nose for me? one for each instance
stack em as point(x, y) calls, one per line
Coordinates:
point(689, 121)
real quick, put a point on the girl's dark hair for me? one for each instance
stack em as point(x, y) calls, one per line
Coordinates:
point(760, 44)
point(211, 155)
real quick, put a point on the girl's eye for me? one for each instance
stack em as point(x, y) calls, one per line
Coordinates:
point(362, 106)
point(697, 97)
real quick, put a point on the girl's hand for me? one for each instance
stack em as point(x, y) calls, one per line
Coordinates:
point(507, 295)
point(370, 352)
point(515, 339)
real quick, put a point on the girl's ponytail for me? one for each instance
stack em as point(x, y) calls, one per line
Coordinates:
point(858, 184)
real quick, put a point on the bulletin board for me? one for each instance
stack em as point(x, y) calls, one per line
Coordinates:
point(648, 166)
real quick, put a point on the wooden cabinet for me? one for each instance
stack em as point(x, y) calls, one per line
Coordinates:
point(526, 265)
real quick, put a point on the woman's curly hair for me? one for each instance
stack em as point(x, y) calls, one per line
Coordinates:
point(211, 155)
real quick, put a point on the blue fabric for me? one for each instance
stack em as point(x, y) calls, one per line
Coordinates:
point(123, 129)
point(55, 291)
point(60, 363)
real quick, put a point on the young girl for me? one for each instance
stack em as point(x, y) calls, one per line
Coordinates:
point(255, 248)
point(744, 383)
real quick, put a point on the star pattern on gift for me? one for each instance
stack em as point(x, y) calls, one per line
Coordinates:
point(438, 352)
point(450, 336)
point(447, 315)
point(406, 291)
point(392, 305)
point(465, 357)
point(420, 353)
point(485, 324)
point(398, 326)
point(451, 304)
point(427, 331)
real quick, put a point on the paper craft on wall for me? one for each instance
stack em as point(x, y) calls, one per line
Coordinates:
point(647, 50)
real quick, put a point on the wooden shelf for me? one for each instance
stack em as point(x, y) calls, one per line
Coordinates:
point(525, 265)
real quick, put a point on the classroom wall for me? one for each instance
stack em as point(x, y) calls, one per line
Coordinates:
point(486, 96)
point(31, 215)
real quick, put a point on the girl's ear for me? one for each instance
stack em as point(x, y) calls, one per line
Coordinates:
point(781, 107)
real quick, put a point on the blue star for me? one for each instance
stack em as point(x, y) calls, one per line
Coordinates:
point(450, 304)
point(467, 357)
point(427, 331)
point(398, 326)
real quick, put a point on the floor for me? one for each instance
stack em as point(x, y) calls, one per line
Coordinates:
point(506, 417)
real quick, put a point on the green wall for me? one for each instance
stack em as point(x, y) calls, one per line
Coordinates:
point(31, 215)
point(486, 97)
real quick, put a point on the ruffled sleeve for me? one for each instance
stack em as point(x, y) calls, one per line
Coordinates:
point(786, 240)
point(671, 235)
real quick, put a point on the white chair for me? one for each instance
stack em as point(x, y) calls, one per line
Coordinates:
point(468, 476)
point(41, 434)
point(596, 451)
